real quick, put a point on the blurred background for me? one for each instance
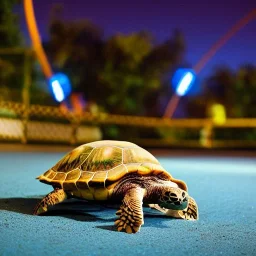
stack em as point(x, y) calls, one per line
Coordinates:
point(157, 73)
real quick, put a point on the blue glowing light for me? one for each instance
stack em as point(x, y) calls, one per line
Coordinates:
point(60, 86)
point(183, 80)
point(57, 91)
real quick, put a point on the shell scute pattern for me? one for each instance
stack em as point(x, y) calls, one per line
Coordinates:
point(69, 186)
point(61, 176)
point(119, 172)
point(85, 177)
point(73, 159)
point(73, 175)
point(98, 179)
point(51, 175)
point(137, 155)
point(116, 173)
point(96, 166)
point(133, 167)
point(103, 158)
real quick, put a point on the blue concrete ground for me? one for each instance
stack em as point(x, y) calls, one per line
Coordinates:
point(224, 187)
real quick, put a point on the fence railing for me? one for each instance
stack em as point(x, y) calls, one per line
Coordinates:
point(37, 123)
point(22, 121)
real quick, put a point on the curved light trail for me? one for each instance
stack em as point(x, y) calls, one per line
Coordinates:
point(35, 38)
point(174, 101)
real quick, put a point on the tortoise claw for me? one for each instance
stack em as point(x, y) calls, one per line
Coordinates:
point(128, 221)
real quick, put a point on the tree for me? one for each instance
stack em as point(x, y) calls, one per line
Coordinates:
point(75, 48)
point(219, 88)
point(9, 28)
point(127, 70)
point(234, 89)
point(124, 83)
point(167, 55)
point(11, 65)
point(159, 66)
point(138, 68)
point(244, 91)
point(79, 37)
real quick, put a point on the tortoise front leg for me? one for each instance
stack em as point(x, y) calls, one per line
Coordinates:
point(131, 212)
point(55, 197)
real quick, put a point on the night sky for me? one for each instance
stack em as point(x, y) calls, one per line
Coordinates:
point(202, 24)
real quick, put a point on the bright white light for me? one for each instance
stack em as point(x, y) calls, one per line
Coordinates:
point(57, 91)
point(184, 84)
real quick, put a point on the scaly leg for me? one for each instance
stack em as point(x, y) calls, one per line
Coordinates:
point(131, 212)
point(55, 197)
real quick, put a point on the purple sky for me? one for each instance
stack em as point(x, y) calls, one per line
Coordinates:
point(202, 24)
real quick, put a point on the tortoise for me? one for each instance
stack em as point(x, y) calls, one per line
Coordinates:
point(117, 172)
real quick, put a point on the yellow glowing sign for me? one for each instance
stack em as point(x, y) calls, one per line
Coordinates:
point(218, 114)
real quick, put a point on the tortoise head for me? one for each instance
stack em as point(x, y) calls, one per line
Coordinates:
point(173, 198)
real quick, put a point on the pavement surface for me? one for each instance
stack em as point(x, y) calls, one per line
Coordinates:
point(223, 186)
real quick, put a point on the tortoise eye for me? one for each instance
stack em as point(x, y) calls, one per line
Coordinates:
point(167, 193)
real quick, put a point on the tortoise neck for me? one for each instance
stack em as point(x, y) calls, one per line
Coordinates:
point(149, 183)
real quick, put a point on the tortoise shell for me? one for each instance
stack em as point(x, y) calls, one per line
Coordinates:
point(92, 170)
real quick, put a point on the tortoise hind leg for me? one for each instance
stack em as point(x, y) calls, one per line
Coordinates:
point(131, 212)
point(54, 197)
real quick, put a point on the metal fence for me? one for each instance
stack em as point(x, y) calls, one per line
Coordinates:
point(27, 124)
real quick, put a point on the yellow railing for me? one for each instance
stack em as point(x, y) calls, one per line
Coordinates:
point(75, 125)
point(27, 125)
